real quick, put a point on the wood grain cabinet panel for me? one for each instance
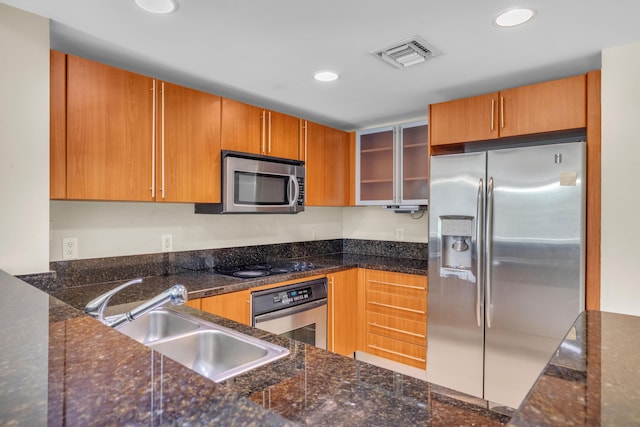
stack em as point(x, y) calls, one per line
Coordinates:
point(544, 107)
point(110, 134)
point(396, 316)
point(188, 160)
point(283, 135)
point(414, 332)
point(396, 350)
point(538, 108)
point(117, 135)
point(464, 120)
point(251, 129)
point(326, 152)
point(342, 316)
point(233, 305)
point(194, 303)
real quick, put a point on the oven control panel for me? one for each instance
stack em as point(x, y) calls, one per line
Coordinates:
point(293, 296)
point(288, 296)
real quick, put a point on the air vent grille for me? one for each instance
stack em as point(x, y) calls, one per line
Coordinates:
point(408, 52)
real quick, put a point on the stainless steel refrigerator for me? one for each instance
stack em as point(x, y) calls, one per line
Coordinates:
point(506, 265)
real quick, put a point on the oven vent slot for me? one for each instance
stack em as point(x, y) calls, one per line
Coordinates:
point(406, 53)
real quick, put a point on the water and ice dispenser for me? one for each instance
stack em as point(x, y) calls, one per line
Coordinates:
point(456, 238)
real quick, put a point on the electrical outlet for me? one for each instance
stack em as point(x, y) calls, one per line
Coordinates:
point(167, 242)
point(399, 233)
point(70, 248)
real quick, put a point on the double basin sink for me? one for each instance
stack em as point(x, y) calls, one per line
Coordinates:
point(211, 350)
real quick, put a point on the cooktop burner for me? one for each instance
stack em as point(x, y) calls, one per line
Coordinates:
point(260, 270)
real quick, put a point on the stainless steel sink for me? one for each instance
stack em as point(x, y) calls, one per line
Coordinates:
point(156, 325)
point(211, 350)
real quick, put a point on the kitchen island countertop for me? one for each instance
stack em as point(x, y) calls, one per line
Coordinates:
point(592, 379)
point(61, 367)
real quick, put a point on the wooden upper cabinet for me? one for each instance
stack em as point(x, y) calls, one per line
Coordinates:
point(464, 120)
point(241, 127)
point(109, 132)
point(130, 137)
point(544, 107)
point(283, 135)
point(537, 108)
point(58, 125)
point(250, 129)
point(188, 159)
point(327, 164)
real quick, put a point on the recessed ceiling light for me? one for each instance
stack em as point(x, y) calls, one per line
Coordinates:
point(325, 76)
point(157, 6)
point(513, 17)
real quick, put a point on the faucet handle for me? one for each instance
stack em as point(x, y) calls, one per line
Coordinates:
point(96, 307)
point(178, 294)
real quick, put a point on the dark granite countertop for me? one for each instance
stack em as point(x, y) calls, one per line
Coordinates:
point(593, 378)
point(204, 283)
point(61, 367)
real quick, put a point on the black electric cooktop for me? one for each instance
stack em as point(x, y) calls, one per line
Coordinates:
point(268, 269)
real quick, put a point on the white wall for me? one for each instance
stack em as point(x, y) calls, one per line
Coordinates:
point(105, 229)
point(24, 141)
point(620, 291)
point(375, 223)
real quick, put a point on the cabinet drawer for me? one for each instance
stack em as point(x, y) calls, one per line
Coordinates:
point(410, 331)
point(397, 306)
point(397, 283)
point(399, 351)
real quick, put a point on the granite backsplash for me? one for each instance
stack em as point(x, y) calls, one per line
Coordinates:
point(73, 273)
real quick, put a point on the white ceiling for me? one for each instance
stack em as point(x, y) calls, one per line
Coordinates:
point(265, 52)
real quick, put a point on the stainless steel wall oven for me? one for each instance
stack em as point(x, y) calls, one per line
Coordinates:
point(297, 311)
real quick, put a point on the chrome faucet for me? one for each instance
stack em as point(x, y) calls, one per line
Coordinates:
point(177, 295)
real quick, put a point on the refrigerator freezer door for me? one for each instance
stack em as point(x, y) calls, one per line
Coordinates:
point(536, 279)
point(455, 318)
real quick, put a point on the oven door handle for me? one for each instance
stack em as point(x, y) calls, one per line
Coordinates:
point(289, 311)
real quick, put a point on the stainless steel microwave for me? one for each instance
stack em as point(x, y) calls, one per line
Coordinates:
point(258, 184)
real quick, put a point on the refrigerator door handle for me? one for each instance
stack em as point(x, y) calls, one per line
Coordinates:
point(488, 252)
point(480, 251)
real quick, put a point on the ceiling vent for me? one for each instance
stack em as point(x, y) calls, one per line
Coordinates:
point(408, 52)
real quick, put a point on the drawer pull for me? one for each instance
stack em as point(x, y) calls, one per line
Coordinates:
point(375, 347)
point(397, 330)
point(400, 285)
point(398, 307)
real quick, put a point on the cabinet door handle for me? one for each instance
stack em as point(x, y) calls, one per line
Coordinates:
point(502, 112)
point(162, 139)
point(306, 125)
point(269, 137)
point(263, 132)
point(375, 347)
point(400, 285)
point(397, 307)
point(402, 331)
point(153, 140)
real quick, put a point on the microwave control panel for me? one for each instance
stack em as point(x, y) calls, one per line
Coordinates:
point(300, 201)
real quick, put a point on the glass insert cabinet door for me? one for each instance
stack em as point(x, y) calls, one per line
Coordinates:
point(392, 165)
point(377, 170)
point(414, 163)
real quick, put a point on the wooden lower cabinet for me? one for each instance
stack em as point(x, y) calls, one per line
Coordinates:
point(194, 303)
point(234, 305)
point(395, 316)
point(342, 318)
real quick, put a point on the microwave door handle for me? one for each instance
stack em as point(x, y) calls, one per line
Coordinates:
point(293, 190)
